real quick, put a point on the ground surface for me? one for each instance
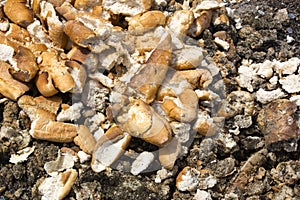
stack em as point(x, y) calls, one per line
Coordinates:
point(274, 175)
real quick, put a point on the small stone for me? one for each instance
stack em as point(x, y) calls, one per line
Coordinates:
point(291, 16)
point(169, 153)
point(265, 69)
point(281, 15)
point(289, 30)
point(93, 122)
point(103, 79)
point(295, 99)
point(225, 167)
point(85, 139)
point(252, 142)
point(181, 21)
point(243, 121)
point(205, 125)
point(202, 22)
point(206, 180)
point(237, 102)
point(141, 23)
point(290, 83)
point(206, 151)
point(277, 121)
point(289, 39)
point(222, 43)
point(222, 19)
point(226, 142)
point(188, 179)
point(208, 5)
point(288, 67)
point(245, 78)
point(264, 96)
point(189, 57)
point(287, 172)
point(274, 80)
point(109, 148)
point(202, 195)
point(162, 174)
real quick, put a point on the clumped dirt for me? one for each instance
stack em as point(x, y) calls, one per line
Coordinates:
point(249, 169)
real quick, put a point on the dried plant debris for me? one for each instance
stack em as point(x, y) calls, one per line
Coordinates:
point(109, 148)
point(159, 99)
point(58, 186)
point(63, 162)
point(21, 155)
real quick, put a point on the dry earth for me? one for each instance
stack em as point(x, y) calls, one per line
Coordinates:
point(254, 156)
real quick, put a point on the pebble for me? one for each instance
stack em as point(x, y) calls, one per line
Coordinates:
point(243, 121)
point(289, 39)
point(181, 131)
point(287, 172)
point(290, 83)
point(237, 102)
point(207, 181)
point(188, 179)
point(222, 43)
point(288, 67)
point(242, 180)
point(289, 30)
point(245, 78)
point(291, 16)
point(225, 167)
point(277, 121)
point(202, 195)
point(282, 15)
point(252, 143)
point(264, 96)
point(162, 174)
point(209, 4)
point(226, 142)
point(295, 99)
